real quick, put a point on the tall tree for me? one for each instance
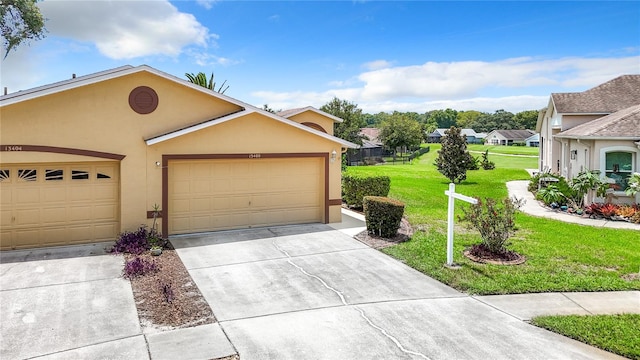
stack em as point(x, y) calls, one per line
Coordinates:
point(453, 158)
point(526, 119)
point(20, 21)
point(201, 79)
point(466, 118)
point(444, 118)
point(499, 120)
point(400, 130)
point(352, 119)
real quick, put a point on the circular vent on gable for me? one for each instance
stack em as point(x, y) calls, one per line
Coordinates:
point(143, 100)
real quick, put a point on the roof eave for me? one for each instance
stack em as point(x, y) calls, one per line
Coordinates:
point(597, 137)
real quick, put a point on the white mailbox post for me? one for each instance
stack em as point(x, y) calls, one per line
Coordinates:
point(453, 195)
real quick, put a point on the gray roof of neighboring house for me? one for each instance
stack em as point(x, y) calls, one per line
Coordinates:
point(468, 132)
point(612, 96)
point(623, 124)
point(515, 135)
point(367, 144)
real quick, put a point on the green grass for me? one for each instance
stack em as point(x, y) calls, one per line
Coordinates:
point(498, 149)
point(560, 256)
point(618, 334)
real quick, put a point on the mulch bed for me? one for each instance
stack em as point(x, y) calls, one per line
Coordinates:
point(168, 298)
point(404, 233)
point(481, 254)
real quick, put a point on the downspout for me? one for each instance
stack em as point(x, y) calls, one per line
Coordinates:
point(589, 164)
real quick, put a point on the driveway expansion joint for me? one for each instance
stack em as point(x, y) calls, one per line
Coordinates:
point(384, 332)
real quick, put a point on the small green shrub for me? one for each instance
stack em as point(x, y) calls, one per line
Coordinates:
point(494, 222)
point(355, 188)
point(486, 164)
point(383, 215)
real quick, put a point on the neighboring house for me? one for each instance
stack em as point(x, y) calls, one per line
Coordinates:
point(371, 150)
point(597, 129)
point(533, 140)
point(472, 136)
point(507, 137)
point(87, 158)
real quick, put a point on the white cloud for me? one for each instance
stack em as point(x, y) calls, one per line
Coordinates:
point(467, 78)
point(377, 65)
point(207, 4)
point(126, 29)
point(512, 84)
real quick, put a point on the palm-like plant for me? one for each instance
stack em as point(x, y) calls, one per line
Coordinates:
point(201, 79)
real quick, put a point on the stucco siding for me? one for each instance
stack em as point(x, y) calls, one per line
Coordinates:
point(310, 116)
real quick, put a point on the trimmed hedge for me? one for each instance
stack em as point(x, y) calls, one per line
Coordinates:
point(383, 215)
point(354, 188)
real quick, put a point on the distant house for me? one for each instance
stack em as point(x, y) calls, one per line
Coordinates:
point(533, 140)
point(507, 137)
point(371, 150)
point(472, 136)
point(596, 129)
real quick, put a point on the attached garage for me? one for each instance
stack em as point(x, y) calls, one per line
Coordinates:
point(85, 159)
point(58, 204)
point(209, 195)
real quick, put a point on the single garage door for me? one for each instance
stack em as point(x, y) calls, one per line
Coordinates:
point(58, 204)
point(209, 195)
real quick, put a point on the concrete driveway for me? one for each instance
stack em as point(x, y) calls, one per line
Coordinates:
point(312, 292)
point(67, 303)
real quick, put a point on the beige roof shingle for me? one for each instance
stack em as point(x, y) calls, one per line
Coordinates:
point(623, 124)
point(607, 98)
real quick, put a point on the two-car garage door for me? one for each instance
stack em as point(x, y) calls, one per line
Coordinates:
point(209, 195)
point(58, 204)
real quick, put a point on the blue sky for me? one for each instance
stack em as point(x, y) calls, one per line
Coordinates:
point(384, 56)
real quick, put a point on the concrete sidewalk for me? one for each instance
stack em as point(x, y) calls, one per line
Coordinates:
point(533, 207)
point(527, 306)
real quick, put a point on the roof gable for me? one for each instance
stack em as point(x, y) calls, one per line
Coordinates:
point(606, 98)
point(90, 79)
point(293, 112)
point(623, 124)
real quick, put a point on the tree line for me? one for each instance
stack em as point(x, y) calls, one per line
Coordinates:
point(411, 128)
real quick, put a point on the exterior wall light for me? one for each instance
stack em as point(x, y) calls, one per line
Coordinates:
point(157, 163)
point(333, 155)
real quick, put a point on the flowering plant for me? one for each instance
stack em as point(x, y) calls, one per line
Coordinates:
point(634, 184)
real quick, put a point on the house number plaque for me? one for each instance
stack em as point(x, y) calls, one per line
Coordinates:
point(12, 148)
point(254, 156)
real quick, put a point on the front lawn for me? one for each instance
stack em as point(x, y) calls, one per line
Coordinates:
point(501, 149)
point(615, 333)
point(560, 256)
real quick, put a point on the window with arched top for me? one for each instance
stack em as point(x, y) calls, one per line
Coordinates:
point(617, 165)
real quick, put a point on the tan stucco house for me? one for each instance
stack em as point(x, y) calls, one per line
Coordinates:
point(84, 159)
point(597, 129)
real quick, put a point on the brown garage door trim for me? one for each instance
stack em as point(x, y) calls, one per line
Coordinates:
point(61, 150)
point(165, 175)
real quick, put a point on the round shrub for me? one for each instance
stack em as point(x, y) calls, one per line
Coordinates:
point(355, 188)
point(383, 215)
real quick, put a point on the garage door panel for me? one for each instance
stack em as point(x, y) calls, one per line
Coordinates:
point(84, 213)
point(6, 195)
point(105, 192)
point(105, 212)
point(5, 217)
point(58, 204)
point(181, 187)
point(28, 196)
point(202, 204)
point(54, 215)
point(202, 186)
point(27, 217)
point(104, 232)
point(245, 193)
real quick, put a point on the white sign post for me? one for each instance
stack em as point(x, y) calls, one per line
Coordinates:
point(453, 195)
